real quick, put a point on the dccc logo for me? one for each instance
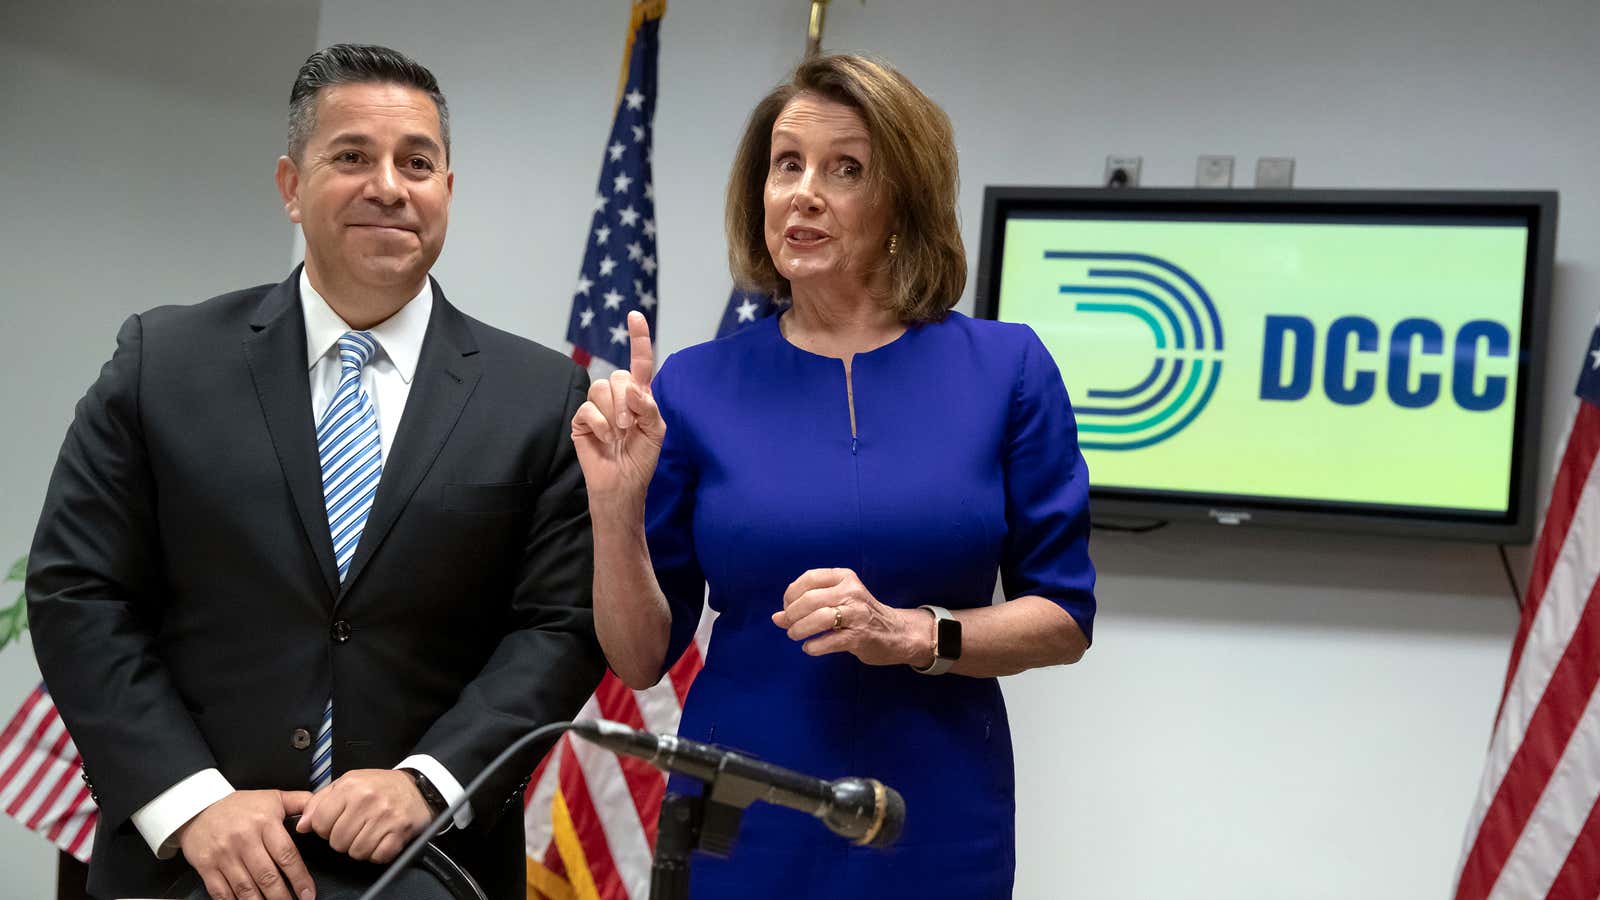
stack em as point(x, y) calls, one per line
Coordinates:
point(1188, 344)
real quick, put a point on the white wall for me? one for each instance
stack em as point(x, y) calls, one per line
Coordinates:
point(137, 143)
point(1265, 714)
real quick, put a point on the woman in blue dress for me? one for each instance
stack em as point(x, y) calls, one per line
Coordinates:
point(848, 478)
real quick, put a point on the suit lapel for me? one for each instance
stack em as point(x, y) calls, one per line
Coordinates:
point(276, 354)
point(447, 373)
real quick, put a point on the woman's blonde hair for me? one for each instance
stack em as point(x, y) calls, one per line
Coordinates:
point(913, 165)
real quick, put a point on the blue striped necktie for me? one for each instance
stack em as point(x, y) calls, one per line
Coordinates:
point(351, 449)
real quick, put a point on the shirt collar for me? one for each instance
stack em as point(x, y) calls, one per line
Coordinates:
point(399, 336)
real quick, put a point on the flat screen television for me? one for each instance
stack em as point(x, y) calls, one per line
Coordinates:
point(1354, 360)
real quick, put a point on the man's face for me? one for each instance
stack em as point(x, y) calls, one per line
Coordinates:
point(372, 192)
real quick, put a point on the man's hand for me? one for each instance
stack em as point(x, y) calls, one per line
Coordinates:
point(241, 850)
point(369, 814)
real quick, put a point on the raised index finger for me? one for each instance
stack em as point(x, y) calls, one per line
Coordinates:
point(641, 359)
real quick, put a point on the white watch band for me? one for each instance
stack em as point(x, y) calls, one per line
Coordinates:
point(940, 664)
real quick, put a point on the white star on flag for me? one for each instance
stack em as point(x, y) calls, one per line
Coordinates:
point(649, 190)
point(747, 311)
point(647, 300)
point(618, 264)
point(619, 334)
point(650, 228)
point(1596, 355)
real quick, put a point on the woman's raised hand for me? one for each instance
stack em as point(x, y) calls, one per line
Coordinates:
point(618, 430)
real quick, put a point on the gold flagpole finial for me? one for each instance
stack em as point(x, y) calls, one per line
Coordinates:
point(819, 14)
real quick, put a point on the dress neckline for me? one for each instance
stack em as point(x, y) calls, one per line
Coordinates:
point(777, 332)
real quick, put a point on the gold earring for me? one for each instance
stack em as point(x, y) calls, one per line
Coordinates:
point(894, 244)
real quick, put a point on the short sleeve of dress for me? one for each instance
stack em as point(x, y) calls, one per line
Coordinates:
point(1047, 494)
point(669, 523)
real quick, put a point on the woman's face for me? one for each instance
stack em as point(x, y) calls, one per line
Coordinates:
point(824, 223)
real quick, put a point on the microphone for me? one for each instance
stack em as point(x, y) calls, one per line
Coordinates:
point(864, 810)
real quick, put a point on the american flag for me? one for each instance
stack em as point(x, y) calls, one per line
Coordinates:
point(619, 259)
point(1535, 828)
point(41, 782)
point(745, 308)
point(590, 817)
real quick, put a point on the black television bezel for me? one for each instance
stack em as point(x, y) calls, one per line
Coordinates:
point(1538, 208)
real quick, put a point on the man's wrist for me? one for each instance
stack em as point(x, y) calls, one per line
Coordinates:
point(431, 796)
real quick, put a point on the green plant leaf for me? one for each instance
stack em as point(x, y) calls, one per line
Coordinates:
point(13, 621)
point(19, 569)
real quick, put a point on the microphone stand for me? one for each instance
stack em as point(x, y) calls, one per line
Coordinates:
point(709, 822)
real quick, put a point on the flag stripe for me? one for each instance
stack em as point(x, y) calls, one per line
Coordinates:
point(24, 714)
point(29, 750)
point(1552, 725)
point(643, 780)
point(612, 811)
point(684, 670)
point(56, 772)
point(594, 852)
point(1552, 826)
point(61, 824)
point(1581, 870)
point(40, 769)
point(1521, 756)
point(55, 802)
point(79, 846)
point(1577, 464)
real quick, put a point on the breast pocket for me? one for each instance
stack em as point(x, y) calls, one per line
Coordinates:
point(510, 497)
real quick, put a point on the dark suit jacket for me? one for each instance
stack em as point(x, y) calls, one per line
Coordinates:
point(187, 612)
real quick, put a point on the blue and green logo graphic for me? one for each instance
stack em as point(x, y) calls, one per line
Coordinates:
point(1187, 339)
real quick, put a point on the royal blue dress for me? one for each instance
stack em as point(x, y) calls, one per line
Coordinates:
point(965, 462)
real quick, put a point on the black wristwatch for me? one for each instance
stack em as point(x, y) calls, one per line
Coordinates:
point(430, 794)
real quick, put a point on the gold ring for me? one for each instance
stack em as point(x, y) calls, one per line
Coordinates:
point(838, 618)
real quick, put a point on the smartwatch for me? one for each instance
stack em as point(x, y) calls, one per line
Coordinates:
point(430, 794)
point(946, 641)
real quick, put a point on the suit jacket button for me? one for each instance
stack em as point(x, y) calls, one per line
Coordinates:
point(341, 631)
point(300, 739)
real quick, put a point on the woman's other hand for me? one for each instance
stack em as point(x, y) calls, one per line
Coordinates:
point(832, 612)
point(618, 430)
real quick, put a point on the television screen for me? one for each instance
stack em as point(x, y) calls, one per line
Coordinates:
point(1364, 360)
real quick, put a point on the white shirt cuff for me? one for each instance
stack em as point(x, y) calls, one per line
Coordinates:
point(158, 820)
point(443, 780)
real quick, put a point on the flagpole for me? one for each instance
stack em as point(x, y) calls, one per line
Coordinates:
point(819, 15)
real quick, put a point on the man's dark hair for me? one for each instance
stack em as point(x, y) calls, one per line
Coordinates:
point(355, 64)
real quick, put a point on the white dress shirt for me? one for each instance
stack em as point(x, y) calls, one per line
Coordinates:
point(387, 381)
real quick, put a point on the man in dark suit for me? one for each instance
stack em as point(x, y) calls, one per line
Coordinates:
point(327, 535)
